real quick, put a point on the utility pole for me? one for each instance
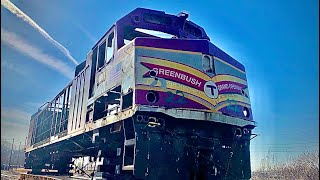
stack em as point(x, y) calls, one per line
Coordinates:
point(19, 154)
point(11, 153)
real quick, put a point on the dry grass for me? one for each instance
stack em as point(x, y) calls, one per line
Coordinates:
point(303, 167)
point(21, 170)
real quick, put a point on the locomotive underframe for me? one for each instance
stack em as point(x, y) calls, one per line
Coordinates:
point(153, 145)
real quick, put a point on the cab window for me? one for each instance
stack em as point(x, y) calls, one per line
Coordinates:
point(110, 47)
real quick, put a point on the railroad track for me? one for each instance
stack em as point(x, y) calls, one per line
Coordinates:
point(16, 175)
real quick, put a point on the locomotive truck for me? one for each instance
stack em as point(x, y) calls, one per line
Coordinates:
point(153, 99)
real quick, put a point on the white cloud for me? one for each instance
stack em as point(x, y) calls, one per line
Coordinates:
point(13, 67)
point(14, 123)
point(14, 130)
point(15, 10)
point(15, 116)
point(29, 50)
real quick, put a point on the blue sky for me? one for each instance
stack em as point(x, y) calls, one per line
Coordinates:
point(277, 41)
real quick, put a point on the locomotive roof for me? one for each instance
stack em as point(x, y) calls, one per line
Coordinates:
point(176, 25)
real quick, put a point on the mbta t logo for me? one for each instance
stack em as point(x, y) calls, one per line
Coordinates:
point(211, 89)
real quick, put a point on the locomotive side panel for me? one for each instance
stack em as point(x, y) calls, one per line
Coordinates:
point(51, 120)
point(113, 90)
point(79, 98)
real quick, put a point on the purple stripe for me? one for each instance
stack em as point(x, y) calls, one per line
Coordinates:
point(166, 101)
point(225, 87)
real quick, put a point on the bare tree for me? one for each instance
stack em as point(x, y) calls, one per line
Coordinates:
point(303, 167)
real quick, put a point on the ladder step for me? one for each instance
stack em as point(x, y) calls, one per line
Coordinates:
point(128, 168)
point(130, 142)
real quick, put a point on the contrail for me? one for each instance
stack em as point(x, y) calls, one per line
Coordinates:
point(15, 10)
point(85, 32)
point(35, 53)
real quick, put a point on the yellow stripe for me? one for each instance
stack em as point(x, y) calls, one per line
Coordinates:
point(193, 71)
point(177, 66)
point(168, 50)
point(183, 88)
point(189, 52)
point(237, 103)
point(219, 78)
point(236, 97)
point(145, 87)
point(196, 92)
point(229, 64)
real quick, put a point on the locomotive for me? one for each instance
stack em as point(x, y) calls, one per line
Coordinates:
point(153, 99)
